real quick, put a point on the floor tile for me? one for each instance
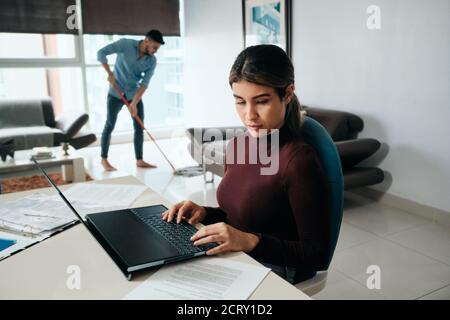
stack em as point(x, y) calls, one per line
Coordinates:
point(381, 220)
point(405, 274)
point(350, 236)
point(340, 287)
point(441, 294)
point(431, 240)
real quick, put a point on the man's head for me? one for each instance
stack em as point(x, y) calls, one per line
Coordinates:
point(153, 40)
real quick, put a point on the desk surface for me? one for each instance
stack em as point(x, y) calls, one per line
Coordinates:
point(40, 272)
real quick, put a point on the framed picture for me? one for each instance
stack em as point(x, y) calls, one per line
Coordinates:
point(267, 22)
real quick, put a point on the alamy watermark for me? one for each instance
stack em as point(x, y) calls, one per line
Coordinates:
point(72, 22)
point(73, 281)
point(374, 280)
point(242, 148)
point(374, 19)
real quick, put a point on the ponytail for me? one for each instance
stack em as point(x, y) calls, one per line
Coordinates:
point(294, 117)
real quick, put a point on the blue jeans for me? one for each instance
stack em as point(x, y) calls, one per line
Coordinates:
point(114, 106)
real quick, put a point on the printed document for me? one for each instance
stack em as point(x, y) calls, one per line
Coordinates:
point(202, 278)
point(105, 194)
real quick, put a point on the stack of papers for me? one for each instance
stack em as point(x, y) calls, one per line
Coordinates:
point(41, 153)
point(202, 279)
point(38, 216)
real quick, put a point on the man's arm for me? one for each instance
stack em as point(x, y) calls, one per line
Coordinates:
point(114, 47)
point(111, 78)
point(144, 84)
point(137, 97)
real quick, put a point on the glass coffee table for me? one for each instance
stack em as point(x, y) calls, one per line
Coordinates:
point(72, 165)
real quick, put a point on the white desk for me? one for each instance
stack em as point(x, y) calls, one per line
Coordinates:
point(40, 272)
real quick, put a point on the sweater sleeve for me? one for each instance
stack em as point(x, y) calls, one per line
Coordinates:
point(305, 186)
point(214, 215)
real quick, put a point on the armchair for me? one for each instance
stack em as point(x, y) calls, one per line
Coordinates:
point(32, 123)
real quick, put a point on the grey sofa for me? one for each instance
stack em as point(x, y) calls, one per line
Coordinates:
point(343, 128)
point(31, 123)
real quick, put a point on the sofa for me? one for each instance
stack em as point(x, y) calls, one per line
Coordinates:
point(343, 128)
point(31, 123)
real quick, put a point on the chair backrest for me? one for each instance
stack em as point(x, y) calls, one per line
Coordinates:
point(318, 138)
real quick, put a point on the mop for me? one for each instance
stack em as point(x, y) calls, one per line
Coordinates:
point(187, 171)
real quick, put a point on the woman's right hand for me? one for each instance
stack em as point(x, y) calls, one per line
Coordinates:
point(185, 210)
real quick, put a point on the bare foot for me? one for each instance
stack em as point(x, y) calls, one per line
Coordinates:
point(143, 164)
point(107, 166)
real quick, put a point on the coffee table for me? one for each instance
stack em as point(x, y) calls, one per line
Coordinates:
point(72, 165)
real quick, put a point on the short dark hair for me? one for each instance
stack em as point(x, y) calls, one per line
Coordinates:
point(155, 35)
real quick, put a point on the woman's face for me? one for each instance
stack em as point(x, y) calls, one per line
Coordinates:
point(259, 107)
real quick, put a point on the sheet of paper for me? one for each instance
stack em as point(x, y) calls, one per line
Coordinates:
point(39, 212)
point(34, 214)
point(105, 194)
point(36, 217)
point(207, 278)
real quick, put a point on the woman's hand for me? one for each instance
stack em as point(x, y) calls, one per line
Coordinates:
point(229, 238)
point(185, 210)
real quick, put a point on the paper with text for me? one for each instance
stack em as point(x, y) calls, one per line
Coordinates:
point(106, 194)
point(209, 278)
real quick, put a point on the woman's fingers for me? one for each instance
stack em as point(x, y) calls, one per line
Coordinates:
point(195, 218)
point(208, 239)
point(184, 210)
point(208, 230)
point(172, 211)
point(216, 250)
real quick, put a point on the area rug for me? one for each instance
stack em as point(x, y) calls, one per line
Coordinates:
point(17, 184)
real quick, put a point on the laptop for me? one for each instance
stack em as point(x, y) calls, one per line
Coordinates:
point(138, 238)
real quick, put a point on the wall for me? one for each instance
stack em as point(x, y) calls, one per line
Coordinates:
point(213, 39)
point(395, 78)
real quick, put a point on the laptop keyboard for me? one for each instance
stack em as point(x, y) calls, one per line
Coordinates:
point(177, 234)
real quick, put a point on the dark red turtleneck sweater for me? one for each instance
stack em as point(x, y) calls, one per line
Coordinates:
point(288, 209)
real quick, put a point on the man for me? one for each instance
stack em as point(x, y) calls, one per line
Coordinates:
point(135, 65)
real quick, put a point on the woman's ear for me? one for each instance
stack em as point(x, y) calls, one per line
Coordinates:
point(289, 93)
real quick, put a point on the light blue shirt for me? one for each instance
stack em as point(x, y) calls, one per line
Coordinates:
point(130, 71)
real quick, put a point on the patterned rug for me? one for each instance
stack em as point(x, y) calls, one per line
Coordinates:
point(17, 184)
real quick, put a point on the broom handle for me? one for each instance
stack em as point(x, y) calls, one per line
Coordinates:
point(136, 117)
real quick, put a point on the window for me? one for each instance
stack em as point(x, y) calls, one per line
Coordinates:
point(32, 45)
point(63, 85)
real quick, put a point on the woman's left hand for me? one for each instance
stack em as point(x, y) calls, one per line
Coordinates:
point(229, 238)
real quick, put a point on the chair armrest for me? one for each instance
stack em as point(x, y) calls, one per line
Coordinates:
point(354, 151)
point(70, 125)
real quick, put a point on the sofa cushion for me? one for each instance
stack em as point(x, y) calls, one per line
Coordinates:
point(21, 113)
point(339, 124)
point(354, 151)
point(29, 137)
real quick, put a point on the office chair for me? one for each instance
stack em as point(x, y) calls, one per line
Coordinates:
point(318, 138)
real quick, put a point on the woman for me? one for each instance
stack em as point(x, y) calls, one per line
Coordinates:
point(281, 220)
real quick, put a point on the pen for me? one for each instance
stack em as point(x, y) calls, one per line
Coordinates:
point(40, 215)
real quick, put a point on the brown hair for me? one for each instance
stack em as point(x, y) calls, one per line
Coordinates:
point(270, 66)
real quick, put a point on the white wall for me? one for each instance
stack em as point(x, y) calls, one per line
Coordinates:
point(396, 79)
point(213, 39)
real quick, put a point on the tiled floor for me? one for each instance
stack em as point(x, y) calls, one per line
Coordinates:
point(413, 254)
